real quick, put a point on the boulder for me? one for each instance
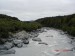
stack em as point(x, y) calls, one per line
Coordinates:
point(40, 30)
point(36, 35)
point(19, 45)
point(72, 38)
point(17, 41)
point(62, 33)
point(10, 39)
point(50, 36)
point(8, 45)
point(21, 35)
point(36, 39)
point(11, 51)
point(2, 47)
point(2, 41)
point(43, 43)
point(25, 41)
point(33, 34)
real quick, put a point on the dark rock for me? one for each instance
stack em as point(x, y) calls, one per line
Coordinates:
point(43, 43)
point(36, 35)
point(25, 41)
point(72, 38)
point(62, 33)
point(2, 47)
point(33, 34)
point(50, 36)
point(10, 40)
point(11, 51)
point(19, 45)
point(2, 41)
point(36, 39)
point(8, 45)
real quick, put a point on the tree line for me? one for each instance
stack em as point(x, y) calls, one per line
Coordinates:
point(65, 23)
point(13, 24)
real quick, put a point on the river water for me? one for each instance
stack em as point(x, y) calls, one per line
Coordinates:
point(58, 45)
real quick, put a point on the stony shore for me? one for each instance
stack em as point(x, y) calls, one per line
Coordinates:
point(20, 39)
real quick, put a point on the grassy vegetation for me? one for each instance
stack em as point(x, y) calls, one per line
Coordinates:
point(13, 24)
point(66, 23)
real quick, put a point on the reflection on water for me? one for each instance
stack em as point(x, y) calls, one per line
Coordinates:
point(58, 45)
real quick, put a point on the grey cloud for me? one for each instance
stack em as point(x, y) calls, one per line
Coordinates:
point(34, 9)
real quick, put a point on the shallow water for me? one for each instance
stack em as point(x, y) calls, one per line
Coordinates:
point(58, 45)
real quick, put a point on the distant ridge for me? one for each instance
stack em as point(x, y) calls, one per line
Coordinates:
point(3, 16)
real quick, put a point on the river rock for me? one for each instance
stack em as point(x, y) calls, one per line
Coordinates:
point(36, 39)
point(33, 34)
point(25, 41)
point(41, 30)
point(11, 51)
point(36, 35)
point(73, 43)
point(8, 45)
point(43, 43)
point(10, 39)
point(2, 41)
point(50, 36)
point(17, 41)
point(21, 35)
point(73, 38)
point(19, 45)
point(2, 47)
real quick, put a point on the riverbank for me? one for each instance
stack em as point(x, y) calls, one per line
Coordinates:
point(18, 39)
point(45, 43)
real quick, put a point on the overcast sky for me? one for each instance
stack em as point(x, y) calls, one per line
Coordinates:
point(34, 9)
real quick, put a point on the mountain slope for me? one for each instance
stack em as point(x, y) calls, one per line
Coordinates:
point(13, 24)
point(66, 23)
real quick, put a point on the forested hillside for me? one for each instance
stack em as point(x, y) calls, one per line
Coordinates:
point(13, 24)
point(66, 23)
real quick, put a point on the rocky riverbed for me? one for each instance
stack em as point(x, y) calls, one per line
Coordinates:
point(43, 42)
point(18, 40)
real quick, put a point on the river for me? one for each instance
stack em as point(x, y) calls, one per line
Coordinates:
point(58, 45)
